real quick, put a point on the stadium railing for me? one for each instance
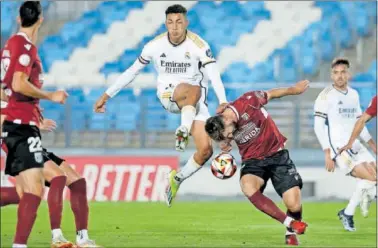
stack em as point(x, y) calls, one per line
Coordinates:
point(139, 121)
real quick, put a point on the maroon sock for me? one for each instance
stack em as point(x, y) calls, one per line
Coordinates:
point(27, 213)
point(79, 203)
point(295, 216)
point(266, 205)
point(9, 196)
point(55, 201)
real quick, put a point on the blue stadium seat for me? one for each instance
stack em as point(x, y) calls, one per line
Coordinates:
point(309, 60)
point(251, 8)
point(173, 122)
point(101, 122)
point(373, 69)
point(363, 77)
point(79, 116)
point(149, 97)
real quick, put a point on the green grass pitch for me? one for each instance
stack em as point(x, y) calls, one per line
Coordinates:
point(197, 224)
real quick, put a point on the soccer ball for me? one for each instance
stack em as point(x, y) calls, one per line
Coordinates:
point(223, 166)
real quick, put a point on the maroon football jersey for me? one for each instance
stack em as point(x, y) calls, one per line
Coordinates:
point(20, 55)
point(372, 109)
point(256, 135)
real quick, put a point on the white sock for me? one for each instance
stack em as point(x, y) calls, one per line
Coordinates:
point(290, 233)
point(81, 235)
point(373, 192)
point(56, 233)
point(288, 221)
point(18, 246)
point(370, 187)
point(188, 113)
point(356, 197)
point(189, 169)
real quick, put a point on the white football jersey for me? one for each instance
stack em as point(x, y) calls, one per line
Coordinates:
point(177, 63)
point(341, 110)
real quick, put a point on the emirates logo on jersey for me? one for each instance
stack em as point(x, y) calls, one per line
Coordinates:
point(172, 67)
point(246, 133)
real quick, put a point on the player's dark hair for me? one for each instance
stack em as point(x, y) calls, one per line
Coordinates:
point(340, 61)
point(30, 12)
point(176, 9)
point(215, 128)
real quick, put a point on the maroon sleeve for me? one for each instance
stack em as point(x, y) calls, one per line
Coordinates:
point(372, 109)
point(256, 98)
point(22, 56)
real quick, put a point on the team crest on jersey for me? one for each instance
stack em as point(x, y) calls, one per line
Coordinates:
point(245, 116)
point(38, 157)
point(187, 55)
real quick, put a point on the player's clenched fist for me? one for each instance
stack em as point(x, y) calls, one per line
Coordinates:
point(300, 87)
point(47, 125)
point(330, 164)
point(99, 106)
point(59, 96)
point(222, 107)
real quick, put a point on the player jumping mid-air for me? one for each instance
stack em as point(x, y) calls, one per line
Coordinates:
point(21, 69)
point(336, 111)
point(264, 157)
point(178, 56)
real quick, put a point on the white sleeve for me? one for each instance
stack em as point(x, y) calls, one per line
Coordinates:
point(214, 76)
point(321, 132)
point(320, 127)
point(364, 135)
point(209, 63)
point(321, 106)
point(205, 55)
point(125, 78)
point(128, 76)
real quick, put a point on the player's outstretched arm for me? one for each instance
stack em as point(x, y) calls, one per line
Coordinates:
point(215, 78)
point(296, 89)
point(122, 81)
point(358, 127)
point(21, 84)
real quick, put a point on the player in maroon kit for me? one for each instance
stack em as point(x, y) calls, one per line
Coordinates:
point(264, 156)
point(21, 69)
point(58, 174)
point(360, 124)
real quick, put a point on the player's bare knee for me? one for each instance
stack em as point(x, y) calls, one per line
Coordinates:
point(52, 170)
point(72, 175)
point(186, 94)
point(37, 188)
point(294, 206)
point(248, 190)
point(194, 95)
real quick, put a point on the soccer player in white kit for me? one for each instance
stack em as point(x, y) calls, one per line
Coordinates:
point(178, 56)
point(336, 111)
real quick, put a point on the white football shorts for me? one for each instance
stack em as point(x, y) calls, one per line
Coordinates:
point(165, 95)
point(347, 160)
